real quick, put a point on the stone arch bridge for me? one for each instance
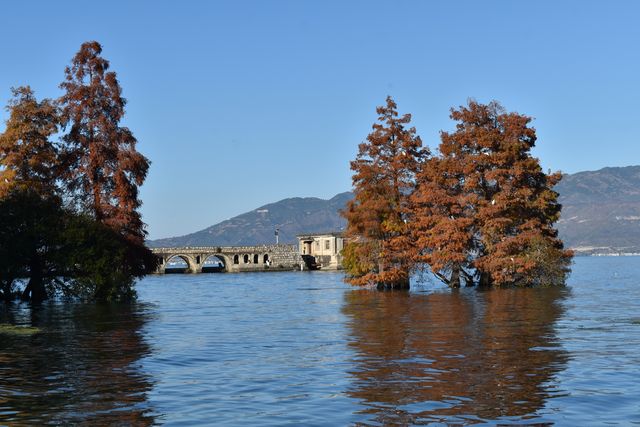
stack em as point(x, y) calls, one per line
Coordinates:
point(233, 258)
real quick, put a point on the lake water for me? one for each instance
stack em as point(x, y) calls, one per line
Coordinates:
point(305, 349)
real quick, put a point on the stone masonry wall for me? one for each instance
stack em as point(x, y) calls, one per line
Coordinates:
point(281, 257)
point(286, 256)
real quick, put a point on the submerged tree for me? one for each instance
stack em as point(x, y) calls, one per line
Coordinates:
point(100, 163)
point(93, 246)
point(30, 207)
point(443, 223)
point(485, 209)
point(100, 263)
point(379, 248)
point(27, 156)
point(31, 232)
point(63, 252)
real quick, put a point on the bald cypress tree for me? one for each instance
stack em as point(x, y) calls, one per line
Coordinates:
point(100, 164)
point(28, 158)
point(29, 198)
point(379, 249)
point(93, 245)
point(485, 209)
point(443, 225)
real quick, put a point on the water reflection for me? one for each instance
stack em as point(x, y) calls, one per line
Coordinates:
point(459, 357)
point(83, 367)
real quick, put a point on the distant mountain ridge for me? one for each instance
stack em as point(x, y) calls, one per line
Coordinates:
point(600, 214)
point(292, 216)
point(601, 210)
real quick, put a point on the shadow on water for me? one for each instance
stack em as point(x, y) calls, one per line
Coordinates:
point(458, 357)
point(79, 364)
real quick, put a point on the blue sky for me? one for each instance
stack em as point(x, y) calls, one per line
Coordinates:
point(242, 103)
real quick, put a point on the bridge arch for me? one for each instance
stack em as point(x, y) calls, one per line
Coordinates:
point(179, 263)
point(215, 263)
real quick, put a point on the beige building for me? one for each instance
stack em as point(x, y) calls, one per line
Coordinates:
point(326, 248)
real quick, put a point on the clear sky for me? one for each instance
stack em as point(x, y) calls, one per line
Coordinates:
point(242, 103)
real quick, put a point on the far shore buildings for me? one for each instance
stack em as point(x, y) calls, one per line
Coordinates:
point(326, 248)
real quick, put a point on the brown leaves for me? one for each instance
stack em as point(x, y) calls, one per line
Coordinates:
point(480, 213)
point(27, 156)
point(102, 162)
point(485, 201)
point(384, 176)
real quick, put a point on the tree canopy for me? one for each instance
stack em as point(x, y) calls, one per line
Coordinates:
point(100, 162)
point(28, 158)
point(479, 213)
point(485, 207)
point(69, 220)
point(379, 241)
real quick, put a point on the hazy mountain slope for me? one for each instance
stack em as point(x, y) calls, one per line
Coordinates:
point(292, 216)
point(601, 210)
point(601, 213)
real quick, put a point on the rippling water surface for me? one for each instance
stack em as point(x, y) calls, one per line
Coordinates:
point(304, 349)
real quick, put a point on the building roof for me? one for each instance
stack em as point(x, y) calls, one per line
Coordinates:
point(328, 233)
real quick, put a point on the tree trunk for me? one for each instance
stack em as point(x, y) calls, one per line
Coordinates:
point(468, 280)
point(454, 281)
point(485, 280)
point(97, 202)
point(35, 290)
point(399, 285)
point(5, 292)
point(26, 293)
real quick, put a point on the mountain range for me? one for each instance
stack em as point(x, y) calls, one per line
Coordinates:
point(600, 215)
point(291, 216)
point(601, 210)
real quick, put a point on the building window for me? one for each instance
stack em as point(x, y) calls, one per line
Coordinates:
point(327, 244)
point(317, 245)
point(246, 259)
point(255, 258)
point(235, 259)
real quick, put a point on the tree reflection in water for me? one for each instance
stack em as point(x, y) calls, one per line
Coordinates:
point(82, 368)
point(457, 357)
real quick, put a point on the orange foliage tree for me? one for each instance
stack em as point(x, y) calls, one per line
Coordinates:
point(379, 248)
point(92, 246)
point(484, 209)
point(443, 223)
point(100, 164)
point(27, 156)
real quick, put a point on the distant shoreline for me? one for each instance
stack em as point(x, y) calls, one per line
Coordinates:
point(583, 254)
